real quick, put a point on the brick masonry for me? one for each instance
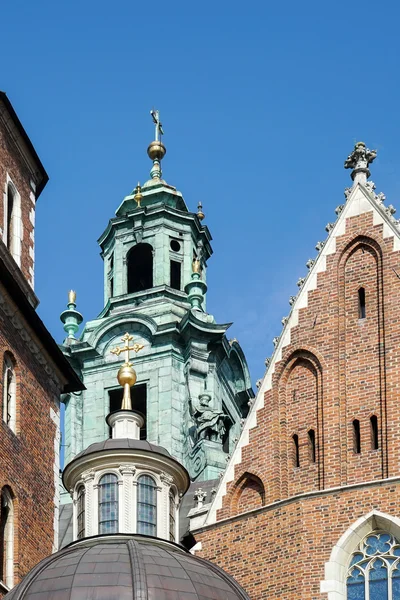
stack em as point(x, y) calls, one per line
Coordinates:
point(29, 457)
point(13, 164)
point(336, 368)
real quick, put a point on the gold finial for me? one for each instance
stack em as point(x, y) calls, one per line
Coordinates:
point(196, 265)
point(71, 297)
point(127, 374)
point(200, 213)
point(138, 195)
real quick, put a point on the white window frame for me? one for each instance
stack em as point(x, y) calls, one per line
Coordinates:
point(336, 568)
point(9, 366)
point(17, 226)
point(8, 540)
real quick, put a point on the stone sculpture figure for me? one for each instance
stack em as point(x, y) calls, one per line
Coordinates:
point(209, 421)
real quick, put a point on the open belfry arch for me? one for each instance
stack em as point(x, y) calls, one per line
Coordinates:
point(193, 383)
point(321, 439)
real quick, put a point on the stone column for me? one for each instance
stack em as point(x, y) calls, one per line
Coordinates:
point(127, 504)
point(163, 506)
point(90, 504)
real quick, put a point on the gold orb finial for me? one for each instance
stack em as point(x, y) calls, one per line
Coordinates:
point(127, 374)
point(200, 213)
point(156, 150)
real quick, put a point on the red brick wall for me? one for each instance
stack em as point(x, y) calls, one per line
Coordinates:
point(27, 456)
point(12, 163)
point(337, 368)
point(280, 552)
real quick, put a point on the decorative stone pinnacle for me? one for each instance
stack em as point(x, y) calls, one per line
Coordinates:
point(359, 160)
point(199, 497)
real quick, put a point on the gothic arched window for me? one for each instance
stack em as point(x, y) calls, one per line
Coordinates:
point(139, 262)
point(172, 513)
point(9, 392)
point(147, 505)
point(374, 572)
point(80, 512)
point(108, 504)
point(7, 538)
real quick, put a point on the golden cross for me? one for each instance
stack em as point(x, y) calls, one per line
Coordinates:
point(127, 338)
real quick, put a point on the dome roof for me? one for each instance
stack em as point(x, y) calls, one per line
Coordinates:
point(122, 444)
point(126, 567)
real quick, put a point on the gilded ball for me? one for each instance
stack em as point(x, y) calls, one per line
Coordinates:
point(126, 374)
point(156, 150)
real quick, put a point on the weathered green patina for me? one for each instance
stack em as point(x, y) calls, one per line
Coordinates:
point(155, 256)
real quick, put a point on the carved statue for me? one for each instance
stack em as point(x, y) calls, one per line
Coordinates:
point(209, 421)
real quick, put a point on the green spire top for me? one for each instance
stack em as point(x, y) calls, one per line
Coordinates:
point(71, 317)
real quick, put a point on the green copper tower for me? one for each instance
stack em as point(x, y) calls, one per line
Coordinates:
point(193, 385)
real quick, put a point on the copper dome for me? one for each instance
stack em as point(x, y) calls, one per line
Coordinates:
point(126, 567)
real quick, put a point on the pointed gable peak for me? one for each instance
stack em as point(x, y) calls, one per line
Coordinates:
point(359, 198)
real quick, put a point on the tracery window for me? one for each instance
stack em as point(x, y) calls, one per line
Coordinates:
point(147, 505)
point(172, 512)
point(9, 392)
point(374, 572)
point(80, 512)
point(108, 504)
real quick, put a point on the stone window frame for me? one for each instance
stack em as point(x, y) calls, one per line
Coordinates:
point(10, 388)
point(8, 537)
point(334, 584)
point(17, 225)
point(81, 510)
point(173, 493)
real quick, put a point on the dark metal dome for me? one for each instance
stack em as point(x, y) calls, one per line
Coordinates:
point(122, 444)
point(126, 567)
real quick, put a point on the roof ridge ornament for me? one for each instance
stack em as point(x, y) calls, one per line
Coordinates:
point(359, 160)
point(156, 149)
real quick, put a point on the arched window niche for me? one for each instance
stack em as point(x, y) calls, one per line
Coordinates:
point(139, 264)
point(12, 227)
point(9, 392)
point(364, 564)
point(7, 537)
point(146, 505)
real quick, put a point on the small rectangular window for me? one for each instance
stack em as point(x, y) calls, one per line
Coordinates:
point(361, 303)
point(311, 443)
point(175, 274)
point(374, 432)
point(296, 449)
point(356, 437)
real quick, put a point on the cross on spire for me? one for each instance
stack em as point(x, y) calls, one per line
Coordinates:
point(159, 128)
point(127, 338)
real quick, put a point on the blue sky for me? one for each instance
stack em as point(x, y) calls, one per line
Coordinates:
point(261, 103)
